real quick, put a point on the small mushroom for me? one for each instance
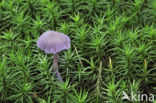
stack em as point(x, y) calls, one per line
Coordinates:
point(52, 42)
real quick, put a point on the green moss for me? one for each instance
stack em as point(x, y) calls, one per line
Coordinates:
point(113, 49)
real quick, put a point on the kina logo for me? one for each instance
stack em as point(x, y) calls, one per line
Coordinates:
point(138, 97)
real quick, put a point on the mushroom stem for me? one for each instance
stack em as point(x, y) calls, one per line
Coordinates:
point(55, 69)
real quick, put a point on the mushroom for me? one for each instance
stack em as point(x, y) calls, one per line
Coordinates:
point(52, 42)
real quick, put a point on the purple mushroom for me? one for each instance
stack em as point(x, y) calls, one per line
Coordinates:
point(53, 42)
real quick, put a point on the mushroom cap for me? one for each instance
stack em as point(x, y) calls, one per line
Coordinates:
point(53, 42)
